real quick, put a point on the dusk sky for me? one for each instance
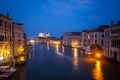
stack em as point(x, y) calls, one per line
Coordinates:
point(60, 16)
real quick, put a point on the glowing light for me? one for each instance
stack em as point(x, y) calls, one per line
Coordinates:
point(98, 55)
point(56, 42)
point(20, 49)
point(32, 41)
point(22, 58)
point(97, 71)
point(8, 52)
point(74, 43)
point(1, 57)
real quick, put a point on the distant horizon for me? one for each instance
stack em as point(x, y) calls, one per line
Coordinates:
point(60, 16)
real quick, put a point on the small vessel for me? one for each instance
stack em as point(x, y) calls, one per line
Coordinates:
point(88, 51)
point(6, 71)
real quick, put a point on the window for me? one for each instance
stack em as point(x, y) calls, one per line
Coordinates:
point(95, 35)
point(95, 41)
point(102, 43)
point(102, 35)
point(1, 22)
point(1, 38)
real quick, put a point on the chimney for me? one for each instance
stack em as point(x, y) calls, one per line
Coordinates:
point(112, 22)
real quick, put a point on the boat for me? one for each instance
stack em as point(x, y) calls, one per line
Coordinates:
point(6, 71)
point(88, 51)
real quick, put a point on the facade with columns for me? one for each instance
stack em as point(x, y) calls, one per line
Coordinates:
point(112, 42)
point(6, 37)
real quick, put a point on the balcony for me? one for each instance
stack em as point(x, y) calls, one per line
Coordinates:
point(115, 49)
point(115, 35)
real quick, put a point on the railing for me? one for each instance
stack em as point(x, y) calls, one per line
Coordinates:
point(115, 34)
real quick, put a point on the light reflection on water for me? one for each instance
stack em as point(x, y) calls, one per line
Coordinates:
point(97, 71)
point(63, 49)
point(75, 58)
point(48, 46)
point(57, 48)
point(72, 64)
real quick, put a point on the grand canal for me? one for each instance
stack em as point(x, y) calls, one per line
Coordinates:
point(62, 63)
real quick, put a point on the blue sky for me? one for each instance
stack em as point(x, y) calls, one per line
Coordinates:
point(60, 16)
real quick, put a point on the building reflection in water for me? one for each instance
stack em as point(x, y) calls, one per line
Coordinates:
point(22, 75)
point(57, 48)
point(75, 58)
point(97, 71)
point(63, 49)
point(48, 46)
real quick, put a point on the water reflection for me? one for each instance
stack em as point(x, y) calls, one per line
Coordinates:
point(63, 49)
point(75, 58)
point(56, 48)
point(48, 46)
point(97, 71)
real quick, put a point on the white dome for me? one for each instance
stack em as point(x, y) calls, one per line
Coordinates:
point(41, 34)
point(48, 35)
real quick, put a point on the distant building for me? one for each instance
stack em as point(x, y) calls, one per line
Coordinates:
point(47, 35)
point(96, 37)
point(84, 38)
point(72, 39)
point(41, 34)
point(42, 37)
point(53, 40)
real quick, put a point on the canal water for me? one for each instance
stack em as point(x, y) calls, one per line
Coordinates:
point(56, 62)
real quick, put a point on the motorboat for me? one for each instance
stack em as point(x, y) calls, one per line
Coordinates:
point(88, 51)
point(7, 69)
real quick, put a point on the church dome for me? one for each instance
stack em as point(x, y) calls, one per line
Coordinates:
point(41, 34)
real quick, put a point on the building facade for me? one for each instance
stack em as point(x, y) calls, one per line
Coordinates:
point(42, 38)
point(72, 39)
point(6, 37)
point(112, 42)
point(19, 39)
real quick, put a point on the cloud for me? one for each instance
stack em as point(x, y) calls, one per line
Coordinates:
point(82, 4)
point(66, 7)
point(58, 8)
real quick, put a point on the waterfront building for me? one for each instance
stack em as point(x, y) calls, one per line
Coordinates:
point(96, 36)
point(72, 39)
point(84, 38)
point(112, 42)
point(18, 38)
point(6, 37)
point(54, 40)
